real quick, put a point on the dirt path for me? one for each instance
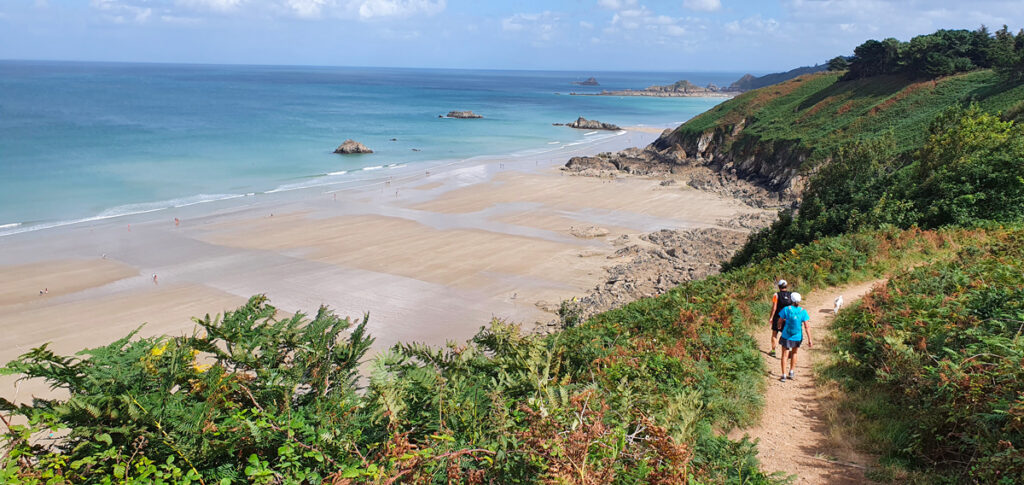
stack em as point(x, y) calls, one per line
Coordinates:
point(793, 432)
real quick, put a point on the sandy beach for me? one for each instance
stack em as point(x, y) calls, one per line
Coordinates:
point(431, 257)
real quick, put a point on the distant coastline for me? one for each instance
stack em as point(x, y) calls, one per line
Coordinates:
point(657, 94)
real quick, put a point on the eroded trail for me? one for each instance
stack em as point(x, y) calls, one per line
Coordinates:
point(793, 432)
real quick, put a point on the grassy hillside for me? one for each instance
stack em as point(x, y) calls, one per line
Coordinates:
point(819, 113)
point(934, 365)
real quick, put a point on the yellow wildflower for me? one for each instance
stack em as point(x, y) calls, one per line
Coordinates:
point(158, 351)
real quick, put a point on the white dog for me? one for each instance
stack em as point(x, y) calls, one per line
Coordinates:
point(839, 303)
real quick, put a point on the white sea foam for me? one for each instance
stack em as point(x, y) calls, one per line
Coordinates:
point(372, 167)
point(9, 226)
point(121, 211)
point(554, 142)
point(591, 133)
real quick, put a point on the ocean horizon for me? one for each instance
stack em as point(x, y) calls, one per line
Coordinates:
point(85, 141)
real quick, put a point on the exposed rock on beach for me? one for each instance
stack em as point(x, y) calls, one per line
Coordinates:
point(352, 146)
point(585, 124)
point(659, 261)
point(672, 162)
point(462, 115)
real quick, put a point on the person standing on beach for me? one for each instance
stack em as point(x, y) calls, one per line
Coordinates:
point(780, 300)
point(794, 326)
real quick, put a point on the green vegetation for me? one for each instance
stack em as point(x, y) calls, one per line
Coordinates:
point(934, 363)
point(968, 171)
point(931, 364)
point(813, 117)
point(942, 53)
point(635, 395)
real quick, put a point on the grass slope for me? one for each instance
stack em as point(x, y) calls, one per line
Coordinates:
point(933, 367)
point(820, 113)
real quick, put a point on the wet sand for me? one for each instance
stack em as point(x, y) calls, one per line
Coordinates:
point(431, 257)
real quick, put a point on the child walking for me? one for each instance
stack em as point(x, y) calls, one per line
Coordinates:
point(794, 325)
point(780, 300)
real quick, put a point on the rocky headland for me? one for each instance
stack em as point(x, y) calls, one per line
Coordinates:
point(682, 88)
point(703, 162)
point(351, 146)
point(461, 115)
point(585, 124)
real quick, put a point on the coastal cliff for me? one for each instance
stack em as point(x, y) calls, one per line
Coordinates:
point(778, 136)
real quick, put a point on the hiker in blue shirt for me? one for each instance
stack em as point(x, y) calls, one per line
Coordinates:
point(793, 329)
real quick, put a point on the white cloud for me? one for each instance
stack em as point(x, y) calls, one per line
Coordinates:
point(616, 4)
point(755, 25)
point(307, 9)
point(703, 5)
point(586, 25)
point(539, 28)
point(675, 31)
point(123, 12)
point(179, 20)
point(370, 9)
point(631, 22)
point(217, 5)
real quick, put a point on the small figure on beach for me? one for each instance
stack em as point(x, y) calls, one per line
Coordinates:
point(794, 326)
point(40, 292)
point(104, 256)
point(46, 291)
point(129, 228)
point(154, 279)
point(780, 300)
point(177, 222)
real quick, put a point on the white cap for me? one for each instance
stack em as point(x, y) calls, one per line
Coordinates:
point(795, 297)
point(782, 283)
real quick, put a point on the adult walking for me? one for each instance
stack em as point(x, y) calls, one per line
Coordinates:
point(781, 299)
point(794, 325)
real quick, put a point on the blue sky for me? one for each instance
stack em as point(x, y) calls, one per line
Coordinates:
point(679, 35)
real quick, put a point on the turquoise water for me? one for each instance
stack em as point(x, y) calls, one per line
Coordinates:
point(88, 140)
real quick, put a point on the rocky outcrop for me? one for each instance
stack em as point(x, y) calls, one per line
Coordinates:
point(772, 165)
point(589, 82)
point(765, 174)
point(352, 146)
point(673, 162)
point(588, 232)
point(657, 262)
point(462, 115)
point(682, 88)
point(585, 124)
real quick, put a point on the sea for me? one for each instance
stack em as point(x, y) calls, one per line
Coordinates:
point(89, 141)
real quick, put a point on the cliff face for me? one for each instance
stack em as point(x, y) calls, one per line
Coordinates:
point(773, 165)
